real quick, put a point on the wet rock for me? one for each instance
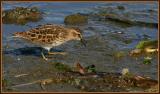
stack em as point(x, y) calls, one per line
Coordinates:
point(121, 7)
point(119, 19)
point(76, 19)
point(21, 15)
point(128, 22)
point(147, 43)
point(125, 71)
point(113, 15)
point(145, 47)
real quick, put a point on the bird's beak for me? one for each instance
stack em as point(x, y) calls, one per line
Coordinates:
point(83, 42)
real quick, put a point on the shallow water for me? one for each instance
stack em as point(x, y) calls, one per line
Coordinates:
point(21, 57)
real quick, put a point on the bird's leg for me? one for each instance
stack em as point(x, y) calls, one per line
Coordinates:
point(43, 56)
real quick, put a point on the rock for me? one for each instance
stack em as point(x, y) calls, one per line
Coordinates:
point(121, 7)
point(125, 71)
point(21, 15)
point(116, 15)
point(147, 43)
point(147, 46)
point(151, 50)
point(119, 19)
point(76, 19)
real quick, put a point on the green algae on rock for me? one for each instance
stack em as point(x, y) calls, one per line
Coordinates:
point(147, 46)
point(76, 19)
point(147, 43)
point(21, 15)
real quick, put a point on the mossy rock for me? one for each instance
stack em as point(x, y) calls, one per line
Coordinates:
point(21, 15)
point(76, 19)
point(147, 43)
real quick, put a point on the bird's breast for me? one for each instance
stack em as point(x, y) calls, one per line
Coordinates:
point(57, 43)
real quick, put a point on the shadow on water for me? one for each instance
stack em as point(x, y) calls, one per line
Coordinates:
point(34, 51)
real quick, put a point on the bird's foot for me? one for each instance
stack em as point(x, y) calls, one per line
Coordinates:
point(54, 53)
point(43, 56)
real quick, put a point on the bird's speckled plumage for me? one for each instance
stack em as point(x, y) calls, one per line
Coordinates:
point(49, 35)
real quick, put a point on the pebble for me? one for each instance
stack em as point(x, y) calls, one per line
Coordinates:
point(82, 87)
point(18, 59)
point(125, 71)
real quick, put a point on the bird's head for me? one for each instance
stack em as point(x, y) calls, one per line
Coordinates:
point(76, 34)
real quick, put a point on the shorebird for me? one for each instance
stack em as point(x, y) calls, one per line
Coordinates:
point(50, 35)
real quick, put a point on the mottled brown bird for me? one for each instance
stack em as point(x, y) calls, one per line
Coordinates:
point(50, 35)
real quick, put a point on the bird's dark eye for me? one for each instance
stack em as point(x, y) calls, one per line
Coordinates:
point(79, 35)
